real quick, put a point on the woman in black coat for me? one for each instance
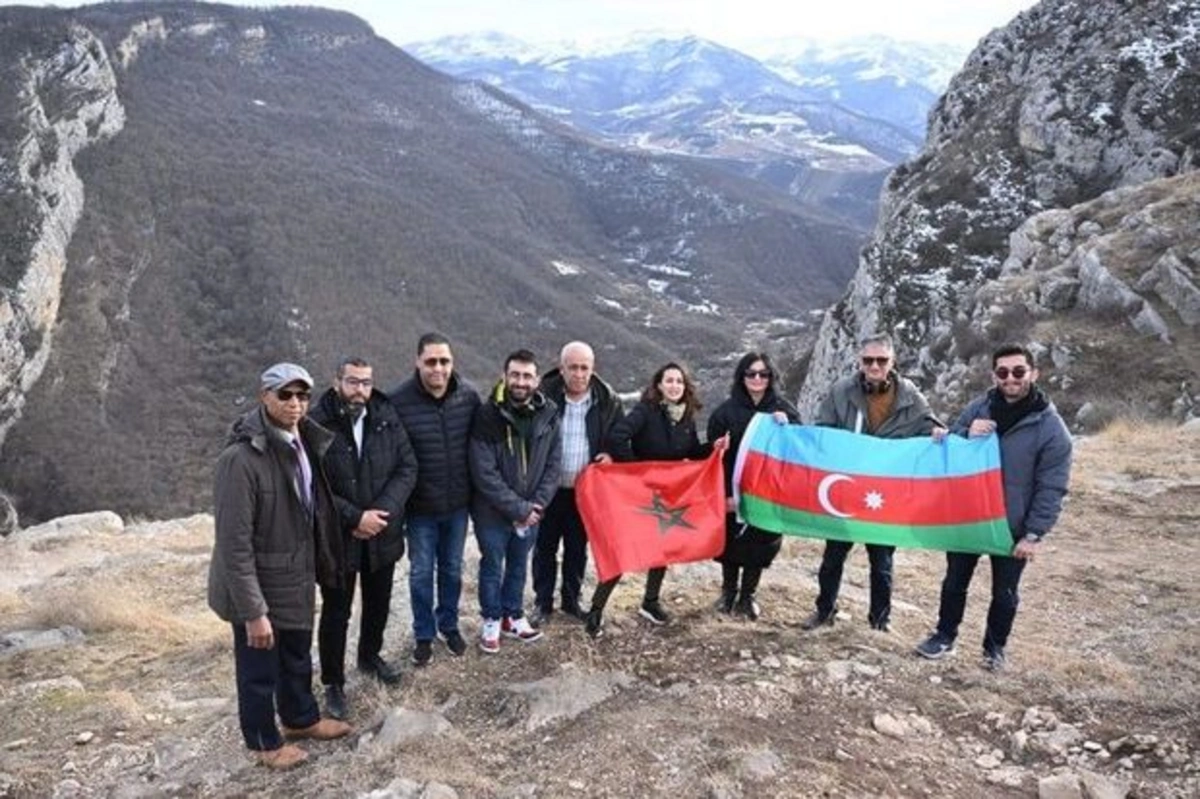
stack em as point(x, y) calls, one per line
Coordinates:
point(748, 550)
point(661, 427)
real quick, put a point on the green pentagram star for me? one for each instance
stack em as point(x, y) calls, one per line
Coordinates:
point(667, 517)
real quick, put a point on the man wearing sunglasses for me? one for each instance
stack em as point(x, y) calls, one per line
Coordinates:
point(436, 407)
point(1035, 460)
point(875, 401)
point(373, 469)
point(276, 536)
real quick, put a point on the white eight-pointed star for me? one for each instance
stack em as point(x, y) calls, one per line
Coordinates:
point(873, 500)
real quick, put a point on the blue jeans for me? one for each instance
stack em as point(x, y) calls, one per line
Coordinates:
point(435, 540)
point(503, 564)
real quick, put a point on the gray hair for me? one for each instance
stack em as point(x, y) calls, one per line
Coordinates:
point(882, 339)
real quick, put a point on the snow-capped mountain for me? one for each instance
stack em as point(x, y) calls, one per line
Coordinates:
point(694, 97)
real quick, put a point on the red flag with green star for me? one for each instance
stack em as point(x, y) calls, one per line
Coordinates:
point(652, 513)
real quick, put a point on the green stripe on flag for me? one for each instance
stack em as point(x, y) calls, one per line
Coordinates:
point(986, 538)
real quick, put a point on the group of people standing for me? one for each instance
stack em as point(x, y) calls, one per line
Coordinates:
point(332, 488)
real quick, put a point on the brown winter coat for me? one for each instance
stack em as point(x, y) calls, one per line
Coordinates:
point(269, 552)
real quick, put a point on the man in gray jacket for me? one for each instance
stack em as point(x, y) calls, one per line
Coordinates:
point(1035, 461)
point(875, 401)
point(276, 536)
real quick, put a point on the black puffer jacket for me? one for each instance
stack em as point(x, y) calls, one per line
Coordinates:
point(745, 545)
point(439, 431)
point(648, 434)
point(382, 479)
point(605, 410)
point(512, 473)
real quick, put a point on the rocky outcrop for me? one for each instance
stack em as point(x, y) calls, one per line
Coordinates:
point(1068, 118)
point(68, 100)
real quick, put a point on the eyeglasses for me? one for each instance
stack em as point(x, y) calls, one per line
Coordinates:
point(1018, 372)
point(286, 396)
point(879, 360)
point(358, 382)
point(758, 374)
point(437, 361)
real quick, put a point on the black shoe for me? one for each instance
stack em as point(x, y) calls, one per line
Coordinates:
point(385, 672)
point(654, 613)
point(422, 653)
point(883, 626)
point(818, 619)
point(593, 625)
point(994, 659)
point(573, 610)
point(935, 647)
point(746, 606)
point(335, 703)
point(539, 616)
point(725, 601)
point(454, 642)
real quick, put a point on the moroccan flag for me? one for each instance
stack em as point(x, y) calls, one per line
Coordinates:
point(822, 482)
point(651, 513)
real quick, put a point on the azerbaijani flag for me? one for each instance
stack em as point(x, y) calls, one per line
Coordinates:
point(822, 482)
point(645, 514)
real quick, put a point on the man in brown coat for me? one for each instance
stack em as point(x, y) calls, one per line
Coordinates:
point(276, 536)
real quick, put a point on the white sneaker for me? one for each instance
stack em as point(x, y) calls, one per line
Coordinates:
point(489, 639)
point(520, 629)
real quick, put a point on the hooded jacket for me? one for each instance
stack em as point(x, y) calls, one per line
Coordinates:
point(733, 416)
point(382, 478)
point(439, 430)
point(1035, 462)
point(269, 550)
point(513, 473)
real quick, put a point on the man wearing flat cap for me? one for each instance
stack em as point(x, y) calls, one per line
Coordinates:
point(277, 535)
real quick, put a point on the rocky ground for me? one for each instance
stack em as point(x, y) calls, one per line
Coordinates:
point(117, 681)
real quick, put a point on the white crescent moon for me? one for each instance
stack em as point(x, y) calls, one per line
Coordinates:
point(823, 494)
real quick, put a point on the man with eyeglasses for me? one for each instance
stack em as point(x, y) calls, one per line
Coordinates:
point(436, 407)
point(276, 534)
point(372, 468)
point(1035, 461)
point(875, 401)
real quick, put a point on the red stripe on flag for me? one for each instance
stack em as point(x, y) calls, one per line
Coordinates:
point(881, 500)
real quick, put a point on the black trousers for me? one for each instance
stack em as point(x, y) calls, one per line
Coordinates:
point(1006, 578)
point(561, 523)
point(654, 581)
point(335, 621)
point(270, 680)
point(830, 578)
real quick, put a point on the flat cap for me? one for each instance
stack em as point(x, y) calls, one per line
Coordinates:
point(282, 374)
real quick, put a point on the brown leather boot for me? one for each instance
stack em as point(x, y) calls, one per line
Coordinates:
point(284, 757)
point(323, 730)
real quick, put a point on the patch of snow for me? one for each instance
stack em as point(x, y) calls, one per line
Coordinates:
point(607, 303)
point(564, 268)
point(259, 103)
point(657, 286)
point(663, 269)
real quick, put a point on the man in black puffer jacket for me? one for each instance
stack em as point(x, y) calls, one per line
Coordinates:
point(372, 469)
point(436, 407)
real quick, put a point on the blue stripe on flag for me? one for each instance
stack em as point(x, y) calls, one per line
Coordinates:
point(833, 450)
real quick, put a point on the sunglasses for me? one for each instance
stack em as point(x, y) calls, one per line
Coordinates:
point(758, 374)
point(286, 395)
point(1018, 372)
point(879, 360)
point(437, 361)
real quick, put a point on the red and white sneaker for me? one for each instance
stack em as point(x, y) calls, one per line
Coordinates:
point(489, 639)
point(520, 629)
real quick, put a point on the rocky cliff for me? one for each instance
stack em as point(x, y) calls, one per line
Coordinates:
point(1044, 209)
point(64, 101)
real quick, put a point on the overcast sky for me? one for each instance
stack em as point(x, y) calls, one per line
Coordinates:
point(729, 22)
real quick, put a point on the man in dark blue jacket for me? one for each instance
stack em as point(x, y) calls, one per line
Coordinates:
point(515, 460)
point(587, 410)
point(1035, 460)
point(372, 470)
point(436, 407)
